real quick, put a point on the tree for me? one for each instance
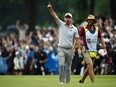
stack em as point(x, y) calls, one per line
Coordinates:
point(81, 10)
point(113, 9)
point(31, 13)
point(92, 6)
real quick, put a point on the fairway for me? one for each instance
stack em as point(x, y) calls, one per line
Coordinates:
point(52, 81)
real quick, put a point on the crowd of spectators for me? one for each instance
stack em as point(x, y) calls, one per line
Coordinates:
point(35, 52)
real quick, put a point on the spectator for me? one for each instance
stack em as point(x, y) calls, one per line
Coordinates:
point(18, 63)
point(30, 61)
point(41, 59)
point(22, 28)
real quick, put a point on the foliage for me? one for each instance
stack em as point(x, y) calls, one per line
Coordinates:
point(103, 8)
point(12, 10)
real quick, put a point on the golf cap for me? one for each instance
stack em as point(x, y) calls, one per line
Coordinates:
point(27, 47)
point(68, 14)
point(17, 53)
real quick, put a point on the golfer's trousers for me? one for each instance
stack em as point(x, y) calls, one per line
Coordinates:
point(65, 60)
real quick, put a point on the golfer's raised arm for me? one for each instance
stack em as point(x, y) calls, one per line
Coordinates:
point(52, 12)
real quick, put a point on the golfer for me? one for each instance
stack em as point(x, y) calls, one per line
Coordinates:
point(67, 33)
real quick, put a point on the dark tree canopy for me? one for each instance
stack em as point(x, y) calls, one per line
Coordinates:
point(35, 12)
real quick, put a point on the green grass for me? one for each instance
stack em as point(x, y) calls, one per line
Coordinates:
point(52, 81)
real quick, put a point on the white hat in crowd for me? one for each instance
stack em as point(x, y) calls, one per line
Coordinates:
point(17, 53)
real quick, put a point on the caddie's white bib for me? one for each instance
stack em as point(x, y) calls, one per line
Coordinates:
point(91, 39)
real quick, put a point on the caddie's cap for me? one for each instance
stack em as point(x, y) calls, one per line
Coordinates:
point(91, 17)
